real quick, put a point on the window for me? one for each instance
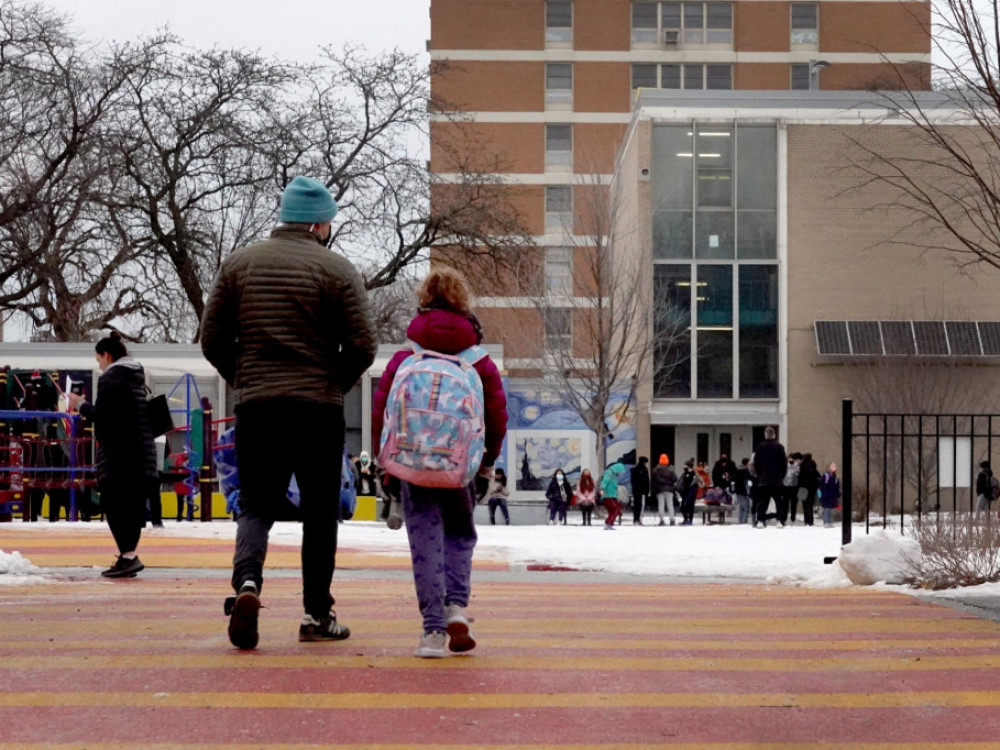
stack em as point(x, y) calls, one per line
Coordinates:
point(672, 76)
point(800, 77)
point(645, 22)
point(558, 208)
point(559, 84)
point(644, 77)
point(558, 22)
point(715, 320)
point(805, 24)
point(559, 270)
point(558, 329)
point(558, 145)
point(678, 23)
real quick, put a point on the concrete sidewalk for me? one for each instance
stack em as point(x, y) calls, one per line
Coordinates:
point(86, 662)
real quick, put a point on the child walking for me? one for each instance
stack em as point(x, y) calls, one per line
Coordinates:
point(438, 519)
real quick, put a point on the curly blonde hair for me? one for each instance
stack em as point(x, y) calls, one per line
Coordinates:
point(444, 288)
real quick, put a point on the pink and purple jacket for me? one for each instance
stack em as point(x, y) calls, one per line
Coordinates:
point(449, 333)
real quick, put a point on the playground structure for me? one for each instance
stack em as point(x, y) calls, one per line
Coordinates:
point(53, 451)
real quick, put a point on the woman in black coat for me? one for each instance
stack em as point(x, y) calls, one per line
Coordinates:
point(559, 495)
point(126, 453)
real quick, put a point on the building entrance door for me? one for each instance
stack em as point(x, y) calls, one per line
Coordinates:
point(706, 443)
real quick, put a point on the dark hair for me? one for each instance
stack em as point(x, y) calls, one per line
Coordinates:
point(984, 465)
point(746, 461)
point(643, 460)
point(500, 476)
point(113, 346)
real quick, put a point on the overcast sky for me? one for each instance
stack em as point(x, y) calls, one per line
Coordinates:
point(291, 29)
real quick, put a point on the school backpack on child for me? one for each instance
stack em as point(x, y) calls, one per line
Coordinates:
point(434, 433)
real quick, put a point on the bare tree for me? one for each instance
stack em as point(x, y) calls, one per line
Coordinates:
point(605, 330)
point(946, 176)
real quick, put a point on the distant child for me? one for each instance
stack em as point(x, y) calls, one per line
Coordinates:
point(687, 487)
point(829, 495)
point(586, 496)
point(741, 489)
point(498, 497)
point(609, 493)
point(559, 493)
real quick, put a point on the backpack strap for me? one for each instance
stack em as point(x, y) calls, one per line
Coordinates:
point(472, 355)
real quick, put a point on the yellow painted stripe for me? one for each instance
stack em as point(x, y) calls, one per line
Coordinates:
point(326, 658)
point(481, 746)
point(13, 646)
point(500, 700)
point(564, 629)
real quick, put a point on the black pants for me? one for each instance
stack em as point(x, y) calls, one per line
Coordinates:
point(638, 503)
point(687, 507)
point(588, 512)
point(123, 501)
point(501, 503)
point(265, 461)
point(792, 498)
point(807, 507)
point(763, 496)
point(155, 503)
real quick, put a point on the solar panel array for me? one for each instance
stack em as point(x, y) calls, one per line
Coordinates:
point(894, 338)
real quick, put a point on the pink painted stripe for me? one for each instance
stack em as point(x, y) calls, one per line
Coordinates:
point(485, 726)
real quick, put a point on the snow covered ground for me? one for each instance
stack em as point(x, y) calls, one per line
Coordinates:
point(792, 556)
point(15, 570)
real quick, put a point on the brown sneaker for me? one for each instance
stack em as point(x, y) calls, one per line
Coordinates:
point(243, 610)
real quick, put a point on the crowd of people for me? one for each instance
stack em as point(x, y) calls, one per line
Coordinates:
point(771, 485)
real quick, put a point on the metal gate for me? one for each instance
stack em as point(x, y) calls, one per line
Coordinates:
point(896, 465)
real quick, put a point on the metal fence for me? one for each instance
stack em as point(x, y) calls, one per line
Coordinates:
point(896, 465)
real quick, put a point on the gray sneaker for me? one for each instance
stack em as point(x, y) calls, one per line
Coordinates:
point(324, 629)
point(432, 645)
point(460, 638)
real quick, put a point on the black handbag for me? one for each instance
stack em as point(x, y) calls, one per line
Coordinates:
point(161, 421)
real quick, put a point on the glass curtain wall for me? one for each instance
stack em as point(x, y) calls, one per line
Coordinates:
point(715, 254)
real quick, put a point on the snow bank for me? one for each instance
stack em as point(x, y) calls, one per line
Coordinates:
point(14, 569)
point(881, 556)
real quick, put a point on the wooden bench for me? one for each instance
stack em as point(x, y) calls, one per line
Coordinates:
point(707, 511)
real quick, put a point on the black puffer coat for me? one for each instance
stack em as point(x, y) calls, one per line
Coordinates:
point(126, 452)
point(288, 319)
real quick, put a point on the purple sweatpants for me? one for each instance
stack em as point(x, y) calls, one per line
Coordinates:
point(442, 536)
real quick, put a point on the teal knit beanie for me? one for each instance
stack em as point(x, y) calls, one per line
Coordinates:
point(307, 201)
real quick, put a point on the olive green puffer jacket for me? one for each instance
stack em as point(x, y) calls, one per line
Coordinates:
point(288, 319)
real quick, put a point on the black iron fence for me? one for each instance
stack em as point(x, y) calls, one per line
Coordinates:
point(897, 465)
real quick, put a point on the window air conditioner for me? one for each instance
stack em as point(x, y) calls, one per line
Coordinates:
point(671, 37)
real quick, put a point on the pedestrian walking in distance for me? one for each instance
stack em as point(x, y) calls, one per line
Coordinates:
point(126, 453)
point(287, 325)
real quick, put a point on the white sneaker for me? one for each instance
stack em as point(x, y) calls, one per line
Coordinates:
point(460, 638)
point(432, 645)
point(781, 525)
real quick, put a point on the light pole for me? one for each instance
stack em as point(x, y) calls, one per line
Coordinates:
point(815, 66)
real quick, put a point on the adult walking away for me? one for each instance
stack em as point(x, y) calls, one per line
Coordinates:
point(498, 497)
point(829, 494)
point(609, 493)
point(586, 496)
point(640, 489)
point(770, 462)
point(987, 487)
point(558, 493)
point(287, 325)
point(664, 485)
point(126, 454)
point(808, 484)
point(438, 517)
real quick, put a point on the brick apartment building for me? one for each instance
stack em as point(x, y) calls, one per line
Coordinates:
point(550, 87)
